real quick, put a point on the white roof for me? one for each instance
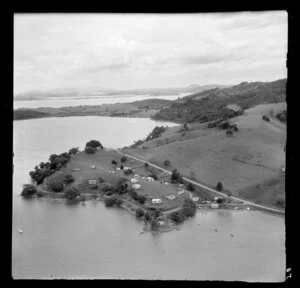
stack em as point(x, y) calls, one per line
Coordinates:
point(136, 186)
point(133, 180)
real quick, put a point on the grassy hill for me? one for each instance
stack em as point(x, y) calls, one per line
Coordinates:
point(212, 104)
point(251, 159)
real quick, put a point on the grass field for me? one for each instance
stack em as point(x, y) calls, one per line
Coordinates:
point(253, 155)
point(102, 160)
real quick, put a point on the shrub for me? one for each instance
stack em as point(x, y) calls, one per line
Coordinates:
point(234, 127)
point(107, 187)
point(94, 144)
point(281, 116)
point(229, 133)
point(123, 159)
point(28, 190)
point(224, 125)
point(100, 179)
point(57, 186)
point(114, 162)
point(190, 187)
point(153, 175)
point(266, 118)
point(72, 193)
point(73, 151)
point(177, 216)
point(139, 212)
point(128, 171)
point(110, 201)
point(94, 186)
point(90, 150)
point(219, 186)
point(69, 178)
point(189, 208)
point(121, 167)
point(146, 165)
point(167, 163)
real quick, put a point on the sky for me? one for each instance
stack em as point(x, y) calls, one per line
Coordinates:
point(129, 51)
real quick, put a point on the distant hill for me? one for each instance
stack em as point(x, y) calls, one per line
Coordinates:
point(212, 104)
point(97, 91)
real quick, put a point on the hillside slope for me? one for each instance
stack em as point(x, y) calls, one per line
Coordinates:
point(254, 155)
point(210, 105)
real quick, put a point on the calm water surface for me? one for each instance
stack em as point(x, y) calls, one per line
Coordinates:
point(111, 99)
point(75, 241)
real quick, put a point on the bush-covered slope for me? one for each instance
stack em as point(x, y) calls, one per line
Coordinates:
point(210, 105)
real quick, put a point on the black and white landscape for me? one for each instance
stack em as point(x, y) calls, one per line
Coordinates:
point(150, 146)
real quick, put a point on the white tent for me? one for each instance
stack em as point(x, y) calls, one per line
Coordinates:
point(133, 180)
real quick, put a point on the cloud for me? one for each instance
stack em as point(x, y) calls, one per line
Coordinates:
point(138, 50)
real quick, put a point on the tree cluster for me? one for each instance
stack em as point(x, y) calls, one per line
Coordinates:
point(56, 162)
point(176, 177)
point(156, 132)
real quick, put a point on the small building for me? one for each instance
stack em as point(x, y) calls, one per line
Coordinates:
point(93, 167)
point(118, 169)
point(156, 201)
point(126, 168)
point(216, 198)
point(92, 182)
point(134, 181)
point(195, 199)
point(136, 186)
point(215, 206)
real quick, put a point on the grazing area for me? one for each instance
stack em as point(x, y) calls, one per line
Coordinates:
point(252, 155)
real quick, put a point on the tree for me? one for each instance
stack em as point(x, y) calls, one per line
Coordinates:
point(167, 163)
point(141, 198)
point(119, 202)
point(100, 179)
point(122, 186)
point(139, 212)
point(72, 193)
point(148, 216)
point(266, 118)
point(121, 167)
point(219, 186)
point(110, 201)
point(28, 190)
point(177, 216)
point(123, 159)
point(146, 165)
point(69, 178)
point(176, 177)
point(190, 187)
point(94, 144)
point(73, 151)
point(42, 165)
point(90, 150)
point(52, 157)
point(57, 186)
point(114, 162)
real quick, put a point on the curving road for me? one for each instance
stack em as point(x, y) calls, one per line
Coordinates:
point(204, 186)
